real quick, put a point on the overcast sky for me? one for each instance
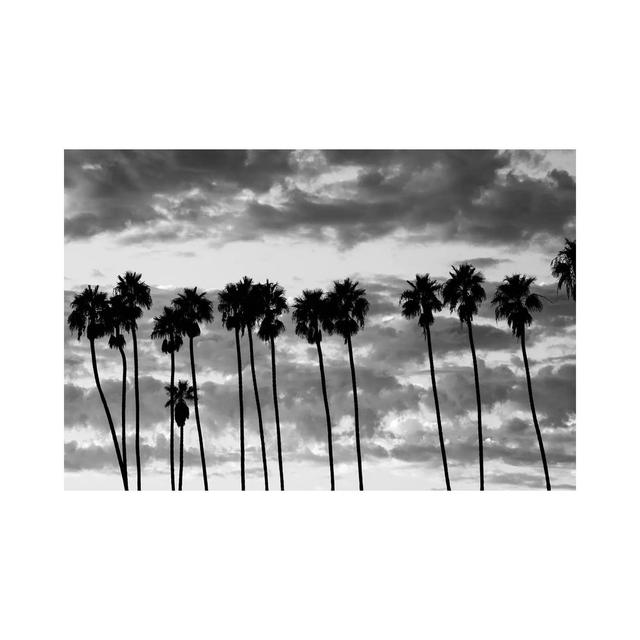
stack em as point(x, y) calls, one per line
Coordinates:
point(304, 218)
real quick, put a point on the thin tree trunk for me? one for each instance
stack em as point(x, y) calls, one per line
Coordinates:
point(326, 411)
point(533, 413)
point(137, 398)
point(124, 409)
point(355, 413)
point(195, 406)
point(435, 398)
point(275, 406)
point(241, 404)
point(114, 437)
point(181, 457)
point(259, 410)
point(475, 373)
point(173, 473)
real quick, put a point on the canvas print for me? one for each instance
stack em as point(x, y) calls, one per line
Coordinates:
point(319, 320)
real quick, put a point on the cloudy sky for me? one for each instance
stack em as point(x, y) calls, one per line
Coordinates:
point(305, 218)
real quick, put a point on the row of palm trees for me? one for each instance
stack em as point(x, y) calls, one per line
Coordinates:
point(247, 307)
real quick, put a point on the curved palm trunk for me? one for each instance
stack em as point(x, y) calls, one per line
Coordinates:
point(259, 410)
point(275, 406)
point(326, 411)
point(181, 457)
point(124, 410)
point(435, 398)
point(533, 413)
point(195, 406)
point(241, 405)
point(137, 397)
point(108, 413)
point(475, 373)
point(173, 473)
point(355, 412)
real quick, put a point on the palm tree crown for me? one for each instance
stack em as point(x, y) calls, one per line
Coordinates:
point(421, 300)
point(178, 396)
point(463, 291)
point(90, 313)
point(168, 327)
point(272, 304)
point(514, 302)
point(194, 308)
point(118, 321)
point(135, 294)
point(230, 305)
point(310, 315)
point(347, 307)
point(563, 267)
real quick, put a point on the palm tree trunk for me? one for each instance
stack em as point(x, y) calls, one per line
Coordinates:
point(195, 406)
point(533, 413)
point(355, 413)
point(114, 437)
point(124, 409)
point(241, 405)
point(435, 398)
point(475, 373)
point(173, 473)
point(181, 457)
point(326, 411)
point(137, 398)
point(275, 406)
point(259, 410)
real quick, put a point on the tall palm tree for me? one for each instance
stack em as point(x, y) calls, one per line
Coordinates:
point(195, 308)
point(309, 314)
point(272, 304)
point(563, 267)
point(230, 305)
point(515, 303)
point(178, 398)
point(463, 291)
point(422, 301)
point(90, 315)
point(167, 328)
point(250, 304)
point(135, 295)
point(347, 308)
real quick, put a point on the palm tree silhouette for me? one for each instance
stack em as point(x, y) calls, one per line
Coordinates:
point(230, 305)
point(178, 397)
point(421, 301)
point(514, 302)
point(90, 315)
point(463, 292)
point(309, 314)
point(194, 308)
point(135, 295)
point(347, 307)
point(272, 304)
point(167, 328)
point(563, 267)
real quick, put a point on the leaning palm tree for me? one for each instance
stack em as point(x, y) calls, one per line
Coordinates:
point(194, 308)
point(421, 301)
point(347, 307)
point(463, 291)
point(90, 315)
point(135, 295)
point(272, 304)
point(178, 397)
point(168, 329)
point(230, 306)
point(563, 267)
point(309, 314)
point(514, 302)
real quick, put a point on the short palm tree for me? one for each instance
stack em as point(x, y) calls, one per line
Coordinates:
point(347, 308)
point(135, 295)
point(231, 307)
point(514, 302)
point(272, 304)
point(90, 315)
point(167, 328)
point(563, 267)
point(194, 308)
point(178, 398)
point(463, 292)
point(309, 314)
point(422, 301)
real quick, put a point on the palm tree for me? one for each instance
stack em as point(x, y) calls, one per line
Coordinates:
point(194, 308)
point(309, 315)
point(90, 315)
point(167, 328)
point(273, 304)
point(135, 295)
point(348, 307)
point(514, 302)
point(250, 310)
point(563, 267)
point(421, 301)
point(178, 397)
point(230, 305)
point(463, 292)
